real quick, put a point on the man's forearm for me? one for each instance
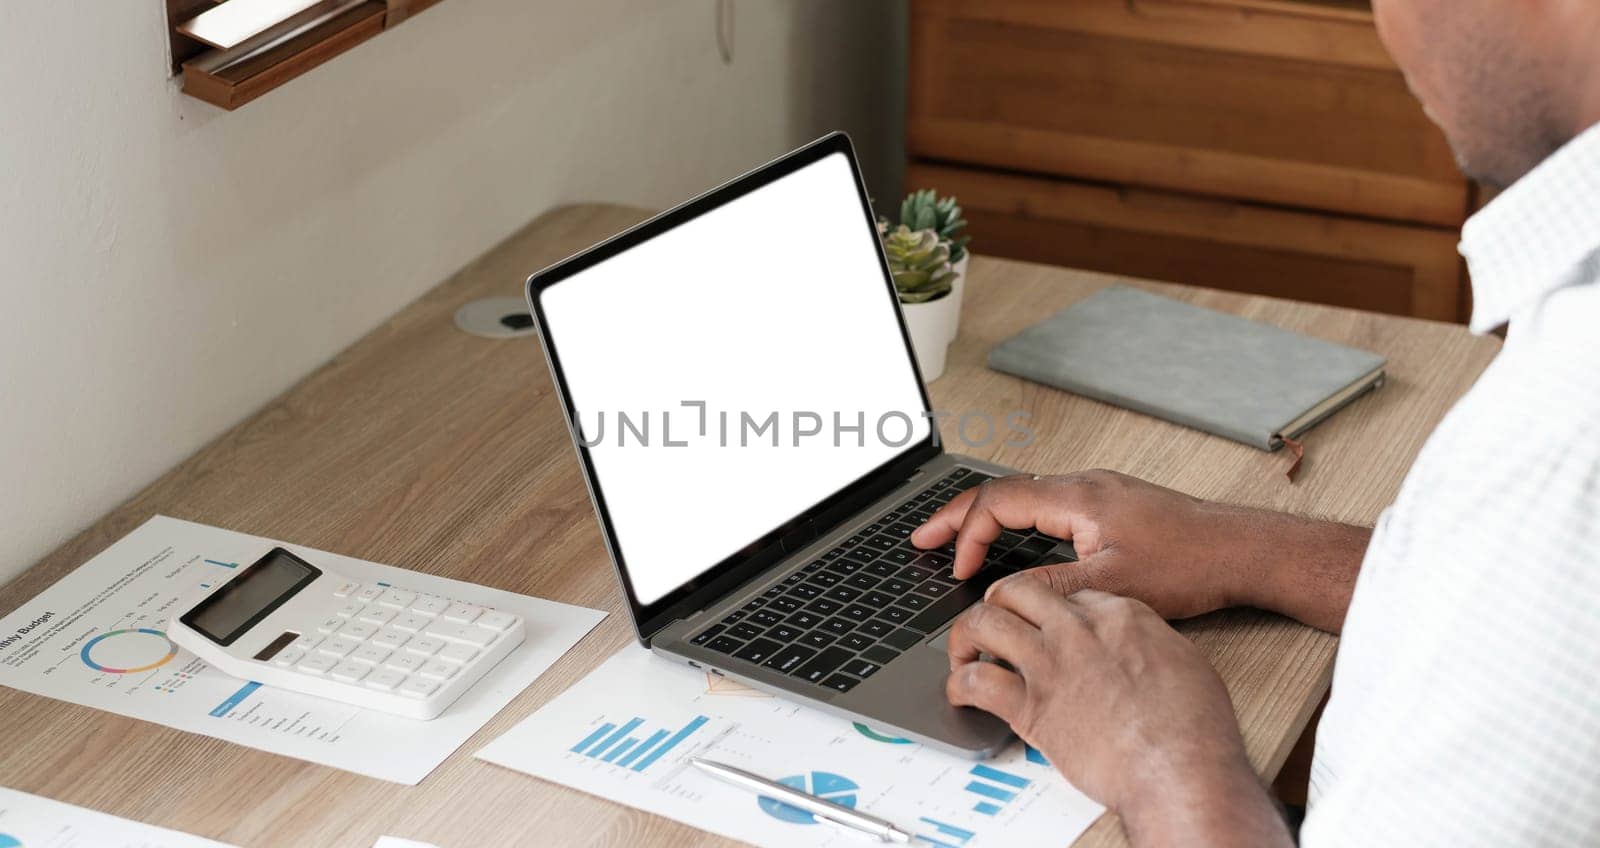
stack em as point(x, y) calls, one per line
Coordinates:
point(1220, 808)
point(1299, 567)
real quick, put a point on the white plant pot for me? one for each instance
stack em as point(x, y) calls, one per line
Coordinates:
point(932, 326)
point(956, 291)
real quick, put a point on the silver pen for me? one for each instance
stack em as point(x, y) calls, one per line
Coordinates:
point(838, 814)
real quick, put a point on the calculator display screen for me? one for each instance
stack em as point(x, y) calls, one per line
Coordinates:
point(250, 597)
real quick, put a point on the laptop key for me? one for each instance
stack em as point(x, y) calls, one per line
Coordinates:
point(840, 683)
point(744, 631)
point(862, 581)
point(882, 542)
point(895, 586)
point(902, 639)
point(860, 668)
point(877, 628)
point(733, 617)
point(845, 566)
point(804, 619)
point(824, 578)
point(900, 530)
point(900, 556)
point(931, 560)
point(784, 633)
point(817, 639)
point(825, 606)
point(897, 615)
point(707, 635)
point(822, 665)
point(915, 574)
point(790, 658)
point(724, 644)
point(842, 594)
point(959, 598)
point(862, 555)
point(915, 601)
point(838, 626)
point(766, 617)
point(757, 651)
point(805, 591)
point(857, 612)
point(879, 654)
point(882, 568)
point(784, 604)
point(877, 600)
point(936, 588)
point(857, 641)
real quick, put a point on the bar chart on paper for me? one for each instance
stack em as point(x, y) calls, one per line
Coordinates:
point(626, 746)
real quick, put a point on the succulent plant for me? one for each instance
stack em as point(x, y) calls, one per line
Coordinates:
point(925, 210)
point(920, 263)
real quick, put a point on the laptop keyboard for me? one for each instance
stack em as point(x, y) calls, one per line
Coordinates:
point(838, 620)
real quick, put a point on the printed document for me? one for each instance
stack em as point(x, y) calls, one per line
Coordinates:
point(29, 821)
point(624, 733)
point(97, 638)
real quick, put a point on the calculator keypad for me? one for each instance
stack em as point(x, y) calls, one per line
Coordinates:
point(396, 640)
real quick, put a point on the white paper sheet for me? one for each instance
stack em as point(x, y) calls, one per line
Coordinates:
point(52, 646)
point(397, 842)
point(29, 821)
point(582, 739)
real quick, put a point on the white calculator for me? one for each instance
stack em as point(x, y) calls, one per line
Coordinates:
point(287, 623)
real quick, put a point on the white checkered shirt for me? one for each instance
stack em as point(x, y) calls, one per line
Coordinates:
point(1466, 698)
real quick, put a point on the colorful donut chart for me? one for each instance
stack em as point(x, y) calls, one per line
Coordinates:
point(172, 651)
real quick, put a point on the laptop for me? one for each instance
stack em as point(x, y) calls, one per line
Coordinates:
point(758, 444)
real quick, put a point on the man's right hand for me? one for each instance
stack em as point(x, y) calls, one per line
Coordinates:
point(1181, 555)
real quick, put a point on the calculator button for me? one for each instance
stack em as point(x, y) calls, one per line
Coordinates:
point(316, 664)
point(390, 638)
point(377, 615)
point(497, 620)
point(338, 646)
point(438, 670)
point(385, 679)
point(418, 687)
point(357, 630)
point(410, 622)
point(371, 653)
point(352, 609)
point(306, 642)
point(425, 645)
point(330, 625)
point(471, 634)
point(351, 671)
point(430, 605)
point(457, 653)
point(288, 656)
point(345, 589)
point(404, 661)
point(462, 613)
point(367, 594)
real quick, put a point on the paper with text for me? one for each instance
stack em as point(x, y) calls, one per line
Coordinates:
point(97, 638)
point(624, 733)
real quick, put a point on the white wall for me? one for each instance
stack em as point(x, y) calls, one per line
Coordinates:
point(166, 268)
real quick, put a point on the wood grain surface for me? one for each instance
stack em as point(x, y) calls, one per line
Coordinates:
point(429, 449)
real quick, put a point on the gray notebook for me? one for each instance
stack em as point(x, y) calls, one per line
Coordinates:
point(1239, 379)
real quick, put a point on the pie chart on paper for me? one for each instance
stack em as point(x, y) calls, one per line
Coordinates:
point(824, 785)
point(9, 841)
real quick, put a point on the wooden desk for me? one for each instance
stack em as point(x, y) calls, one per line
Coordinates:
point(430, 449)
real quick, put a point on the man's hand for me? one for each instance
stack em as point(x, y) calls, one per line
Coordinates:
point(1126, 708)
point(1181, 555)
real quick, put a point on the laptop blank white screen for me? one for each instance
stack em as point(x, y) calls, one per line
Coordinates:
point(773, 304)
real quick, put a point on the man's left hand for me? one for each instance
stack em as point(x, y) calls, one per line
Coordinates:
point(1125, 706)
